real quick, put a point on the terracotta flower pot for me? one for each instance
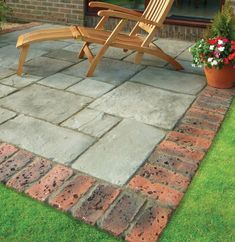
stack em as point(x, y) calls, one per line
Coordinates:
point(220, 78)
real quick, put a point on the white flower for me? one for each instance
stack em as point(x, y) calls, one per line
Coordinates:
point(214, 63)
point(193, 65)
point(221, 48)
point(212, 47)
point(210, 59)
point(220, 42)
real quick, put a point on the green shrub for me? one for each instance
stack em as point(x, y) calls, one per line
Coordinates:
point(4, 10)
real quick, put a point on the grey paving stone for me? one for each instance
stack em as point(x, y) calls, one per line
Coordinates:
point(42, 138)
point(50, 45)
point(91, 88)
point(145, 104)
point(117, 155)
point(76, 47)
point(92, 122)
point(9, 56)
point(64, 55)
point(5, 72)
point(108, 70)
point(5, 90)
point(44, 66)
point(42, 102)
point(186, 55)
point(18, 81)
point(60, 81)
point(3, 44)
point(171, 80)
point(6, 115)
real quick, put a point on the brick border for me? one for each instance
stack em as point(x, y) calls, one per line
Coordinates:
point(140, 210)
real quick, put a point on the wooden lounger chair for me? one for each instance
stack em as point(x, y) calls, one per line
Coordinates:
point(150, 21)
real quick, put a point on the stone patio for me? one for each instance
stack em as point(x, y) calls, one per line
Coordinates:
point(107, 126)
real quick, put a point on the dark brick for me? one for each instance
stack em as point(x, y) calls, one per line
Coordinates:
point(99, 201)
point(14, 164)
point(214, 101)
point(122, 213)
point(6, 150)
point(150, 224)
point(157, 174)
point(49, 183)
point(30, 174)
point(164, 195)
point(72, 192)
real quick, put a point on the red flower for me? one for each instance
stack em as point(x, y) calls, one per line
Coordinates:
point(212, 41)
point(231, 56)
point(226, 61)
point(225, 40)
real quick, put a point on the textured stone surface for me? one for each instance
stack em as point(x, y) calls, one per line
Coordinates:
point(186, 55)
point(19, 82)
point(5, 90)
point(97, 203)
point(56, 143)
point(5, 115)
point(49, 183)
point(122, 213)
point(92, 122)
point(45, 103)
point(91, 88)
point(145, 104)
point(116, 154)
point(150, 224)
point(44, 66)
point(60, 81)
point(50, 45)
point(6, 150)
point(63, 55)
point(107, 70)
point(5, 72)
point(31, 173)
point(171, 80)
point(13, 164)
point(72, 192)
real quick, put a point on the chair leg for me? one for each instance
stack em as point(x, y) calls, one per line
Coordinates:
point(82, 52)
point(22, 58)
point(138, 58)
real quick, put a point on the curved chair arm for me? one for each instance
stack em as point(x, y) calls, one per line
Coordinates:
point(113, 7)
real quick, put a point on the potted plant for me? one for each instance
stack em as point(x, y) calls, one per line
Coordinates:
point(217, 50)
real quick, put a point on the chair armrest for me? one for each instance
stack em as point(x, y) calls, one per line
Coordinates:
point(113, 7)
point(116, 14)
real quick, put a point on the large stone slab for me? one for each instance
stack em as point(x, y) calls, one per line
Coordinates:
point(44, 66)
point(60, 81)
point(108, 70)
point(50, 141)
point(5, 115)
point(45, 103)
point(5, 72)
point(146, 104)
point(117, 155)
point(171, 80)
point(91, 88)
point(92, 122)
point(50, 45)
point(5, 90)
point(64, 55)
point(186, 55)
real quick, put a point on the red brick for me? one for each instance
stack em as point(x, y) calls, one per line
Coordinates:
point(173, 163)
point(187, 153)
point(72, 192)
point(164, 195)
point(99, 201)
point(224, 94)
point(49, 183)
point(188, 140)
point(13, 164)
point(200, 133)
point(122, 214)
point(150, 225)
point(6, 150)
point(30, 174)
point(161, 175)
point(214, 101)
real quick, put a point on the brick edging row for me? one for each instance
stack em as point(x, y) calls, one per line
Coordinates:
point(140, 210)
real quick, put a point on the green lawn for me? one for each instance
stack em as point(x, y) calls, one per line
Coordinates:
point(206, 213)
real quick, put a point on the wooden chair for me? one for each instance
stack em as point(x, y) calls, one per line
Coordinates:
point(150, 21)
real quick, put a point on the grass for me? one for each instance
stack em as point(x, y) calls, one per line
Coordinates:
point(206, 213)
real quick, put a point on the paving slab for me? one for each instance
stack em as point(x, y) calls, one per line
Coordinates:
point(5, 72)
point(6, 115)
point(60, 81)
point(92, 122)
point(50, 45)
point(49, 104)
point(186, 55)
point(64, 55)
point(116, 156)
point(5, 90)
point(9, 56)
point(111, 71)
point(145, 104)
point(171, 80)
point(18, 81)
point(91, 88)
point(76, 47)
point(44, 66)
point(2, 44)
point(42, 138)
